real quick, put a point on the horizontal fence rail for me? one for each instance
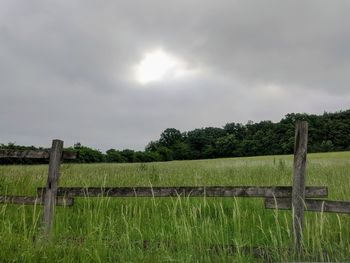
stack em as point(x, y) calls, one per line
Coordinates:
point(209, 191)
point(32, 200)
point(35, 154)
point(310, 205)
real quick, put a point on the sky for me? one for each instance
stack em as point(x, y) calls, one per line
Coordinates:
point(115, 74)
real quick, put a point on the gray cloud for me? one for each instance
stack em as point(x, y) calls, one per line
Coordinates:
point(65, 66)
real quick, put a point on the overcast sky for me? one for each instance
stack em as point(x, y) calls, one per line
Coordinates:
point(115, 74)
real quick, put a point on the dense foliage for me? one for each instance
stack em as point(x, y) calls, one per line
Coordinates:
point(327, 132)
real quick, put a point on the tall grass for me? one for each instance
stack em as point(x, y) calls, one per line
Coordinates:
point(175, 229)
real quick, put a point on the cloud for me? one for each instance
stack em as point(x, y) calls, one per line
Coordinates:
point(66, 66)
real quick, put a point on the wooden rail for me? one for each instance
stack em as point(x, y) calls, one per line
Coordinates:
point(34, 200)
point(209, 191)
point(35, 154)
point(310, 205)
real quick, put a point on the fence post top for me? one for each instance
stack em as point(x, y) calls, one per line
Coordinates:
point(57, 140)
point(301, 123)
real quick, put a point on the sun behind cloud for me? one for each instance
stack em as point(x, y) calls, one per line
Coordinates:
point(159, 65)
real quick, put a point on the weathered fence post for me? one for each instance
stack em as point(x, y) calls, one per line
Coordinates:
point(298, 192)
point(51, 186)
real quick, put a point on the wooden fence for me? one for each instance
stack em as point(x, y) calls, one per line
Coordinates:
point(296, 197)
point(201, 191)
point(50, 199)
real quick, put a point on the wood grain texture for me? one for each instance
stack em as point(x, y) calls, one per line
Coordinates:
point(315, 205)
point(209, 191)
point(35, 154)
point(34, 200)
point(298, 194)
point(51, 185)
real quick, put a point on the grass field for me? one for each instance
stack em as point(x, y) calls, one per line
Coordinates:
point(175, 229)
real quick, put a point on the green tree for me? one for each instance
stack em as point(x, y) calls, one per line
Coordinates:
point(114, 156)
point(169, 137)
point(88, 155)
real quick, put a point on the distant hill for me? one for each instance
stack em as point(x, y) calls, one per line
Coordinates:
point(327, 132)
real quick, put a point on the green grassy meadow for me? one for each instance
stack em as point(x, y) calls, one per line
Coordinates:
point(175, 229)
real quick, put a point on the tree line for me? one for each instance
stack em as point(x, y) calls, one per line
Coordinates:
point(327, 132)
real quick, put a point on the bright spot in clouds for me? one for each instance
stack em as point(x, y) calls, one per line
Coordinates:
point(159, 65)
